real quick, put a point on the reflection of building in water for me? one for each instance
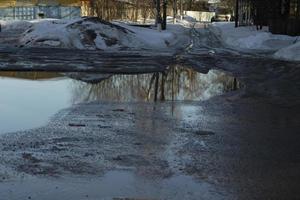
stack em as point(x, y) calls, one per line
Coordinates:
point(30, 75)
point(176, 84)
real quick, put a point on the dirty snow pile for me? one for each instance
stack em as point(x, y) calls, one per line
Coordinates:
point(248, 38)
point(91, 33)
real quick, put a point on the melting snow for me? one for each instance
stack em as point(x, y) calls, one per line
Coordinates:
point(285, 47)
point(89, 33)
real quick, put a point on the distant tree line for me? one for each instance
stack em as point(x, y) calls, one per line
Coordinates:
point(135, 9)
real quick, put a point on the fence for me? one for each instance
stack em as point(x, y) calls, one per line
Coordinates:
point(35, 12)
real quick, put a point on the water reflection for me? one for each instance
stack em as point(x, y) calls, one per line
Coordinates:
point(114, 185)
point(175, 84)
point(30, 75)
point(29, 99)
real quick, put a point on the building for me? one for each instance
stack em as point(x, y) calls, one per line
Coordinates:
point(285, 17)
point(34, 9)
point(282, 16)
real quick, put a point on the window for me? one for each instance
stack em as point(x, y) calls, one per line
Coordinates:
point(24, 13)
point(294, 8)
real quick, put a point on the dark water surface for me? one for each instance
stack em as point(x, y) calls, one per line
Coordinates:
point(116, 185)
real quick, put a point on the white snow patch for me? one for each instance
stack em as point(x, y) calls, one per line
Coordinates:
point(248, 38)
point(289, 53)
point(152, 37)
point(15, 24)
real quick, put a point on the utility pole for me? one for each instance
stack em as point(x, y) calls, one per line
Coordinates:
point(236, 13)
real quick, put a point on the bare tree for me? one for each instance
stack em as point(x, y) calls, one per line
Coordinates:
point(164, 23)
point(174, 11)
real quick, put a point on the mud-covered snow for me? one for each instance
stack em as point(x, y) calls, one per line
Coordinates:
point(93, 34)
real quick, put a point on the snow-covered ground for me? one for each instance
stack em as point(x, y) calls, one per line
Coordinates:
point(248, 38)
point(291, 52)
point(93, 33)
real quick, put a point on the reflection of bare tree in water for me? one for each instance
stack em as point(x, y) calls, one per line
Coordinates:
point(177, 83)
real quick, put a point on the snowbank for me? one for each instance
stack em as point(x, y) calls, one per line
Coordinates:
point(15, 24)
point(90, 33)
point(248, 38)
point(289, 53)
point(150, 37)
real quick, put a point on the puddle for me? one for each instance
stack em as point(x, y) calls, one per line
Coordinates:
point(29, 99)
point(179, 84)
point(113, 185)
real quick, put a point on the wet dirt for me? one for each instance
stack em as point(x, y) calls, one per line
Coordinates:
point(238, 148)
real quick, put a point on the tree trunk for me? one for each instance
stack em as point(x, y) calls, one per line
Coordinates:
point(158, 16)
point(237, 13)
point(181, 7)
point(164, 23)
point(174, 11)
point(156, 86)
point(162, 87)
